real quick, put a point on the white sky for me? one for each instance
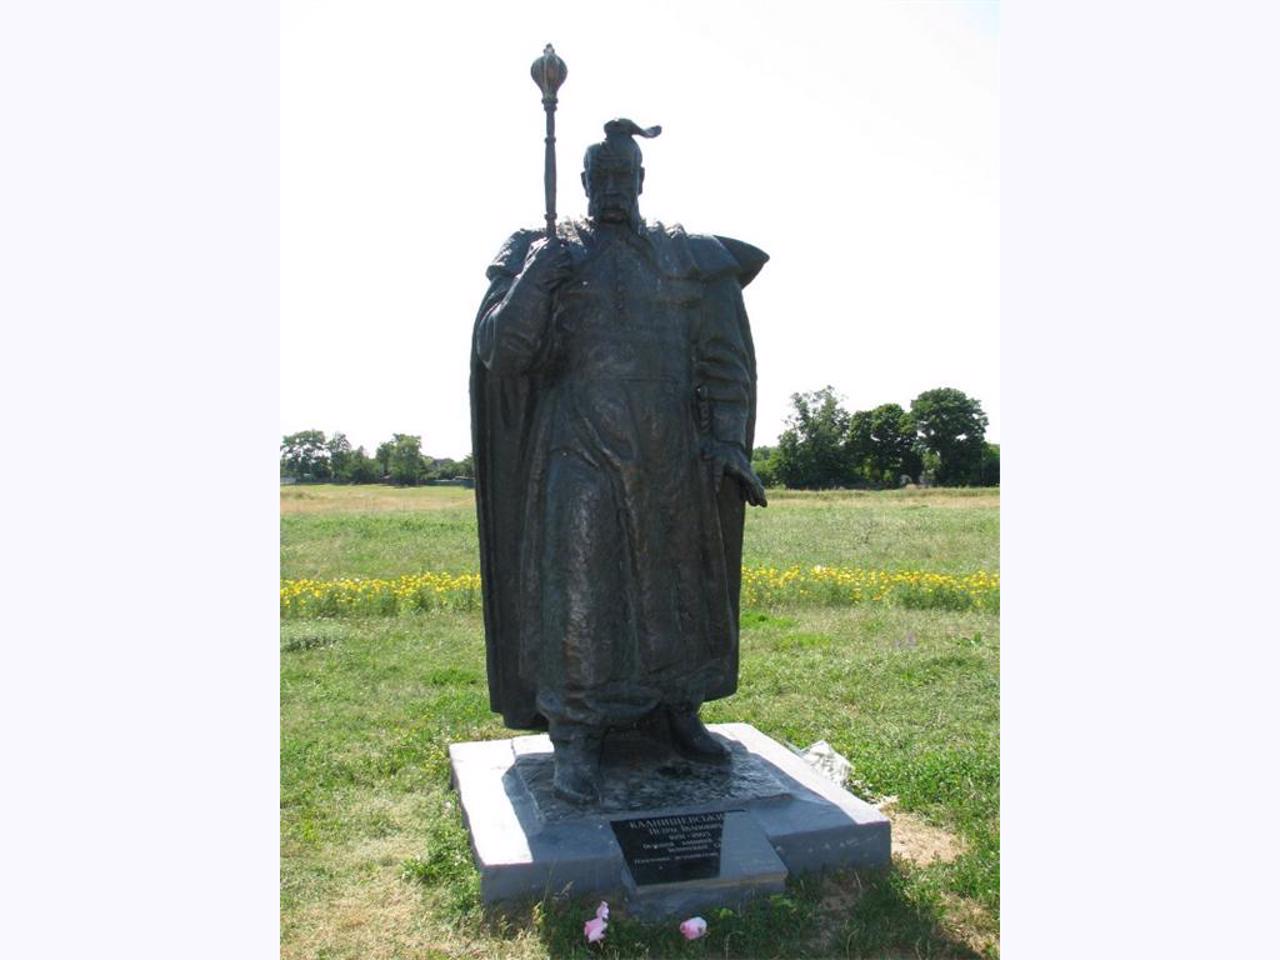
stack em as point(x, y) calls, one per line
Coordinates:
point(856, 143)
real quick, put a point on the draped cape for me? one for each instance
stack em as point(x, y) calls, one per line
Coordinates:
point(511, 447)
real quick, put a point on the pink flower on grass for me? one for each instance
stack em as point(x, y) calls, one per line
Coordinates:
point(693, 928)
point(593, 930)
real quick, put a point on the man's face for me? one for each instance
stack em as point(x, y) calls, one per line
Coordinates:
point(613, 186)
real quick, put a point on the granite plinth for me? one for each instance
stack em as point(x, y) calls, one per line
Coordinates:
point(780, 817)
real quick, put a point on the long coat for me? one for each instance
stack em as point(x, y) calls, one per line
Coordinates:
point(610, 564)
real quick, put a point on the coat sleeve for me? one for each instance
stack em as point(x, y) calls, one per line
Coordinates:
point(516, 313)
point(725, 371)
point(725, 375)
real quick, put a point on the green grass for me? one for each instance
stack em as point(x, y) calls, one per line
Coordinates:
point(337, 531)
point(943, 531)
point(374, 859)
point(380, 545)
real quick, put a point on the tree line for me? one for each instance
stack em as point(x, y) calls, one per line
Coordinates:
point(940, 440)
point(309, 457)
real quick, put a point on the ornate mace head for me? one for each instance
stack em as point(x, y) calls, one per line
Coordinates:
point(548, 73)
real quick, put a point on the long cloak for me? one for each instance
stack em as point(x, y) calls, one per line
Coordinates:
point(512, 440)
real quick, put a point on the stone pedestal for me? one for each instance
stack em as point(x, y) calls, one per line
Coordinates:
point(669, 837)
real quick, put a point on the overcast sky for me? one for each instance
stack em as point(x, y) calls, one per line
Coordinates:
point(856, 143)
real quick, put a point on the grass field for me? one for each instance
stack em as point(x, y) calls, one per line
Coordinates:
point(333, 531)
point(374, 860)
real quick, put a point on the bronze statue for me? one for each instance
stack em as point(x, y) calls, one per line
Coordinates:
point(613, 393)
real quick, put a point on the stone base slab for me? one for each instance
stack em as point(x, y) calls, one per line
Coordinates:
point(780, 817)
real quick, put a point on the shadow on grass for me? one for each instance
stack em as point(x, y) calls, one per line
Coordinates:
point(839, 914)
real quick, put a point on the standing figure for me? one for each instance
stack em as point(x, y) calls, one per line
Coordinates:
point(613, 393)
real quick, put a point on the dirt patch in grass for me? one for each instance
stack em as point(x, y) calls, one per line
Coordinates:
point(375, 919)
point(835, 930)
point(970, 923)
point(385, 917)
point(840, 894)
point(918, 842)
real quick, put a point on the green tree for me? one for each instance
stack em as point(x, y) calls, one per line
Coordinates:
point(813, 452)
point(305, 456)
point(929, 464)
point(991, 466)
point(339, 457)
point(448, 469)
point(952, 427)
point(763, 464)
point(383, 457)
point(883, 444)
point(362, 468)
point(406, 465)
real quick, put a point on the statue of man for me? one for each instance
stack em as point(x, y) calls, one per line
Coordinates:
point(613, 393)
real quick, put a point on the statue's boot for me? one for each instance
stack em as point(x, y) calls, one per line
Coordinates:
point(577, 763)
point(692, 739)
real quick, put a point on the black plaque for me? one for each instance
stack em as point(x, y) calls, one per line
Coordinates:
point(671, 849)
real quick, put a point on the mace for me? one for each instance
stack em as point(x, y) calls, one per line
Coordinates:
point(548, 73)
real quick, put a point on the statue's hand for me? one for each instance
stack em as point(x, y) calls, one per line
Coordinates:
point(730, 459)
point(547, 265)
